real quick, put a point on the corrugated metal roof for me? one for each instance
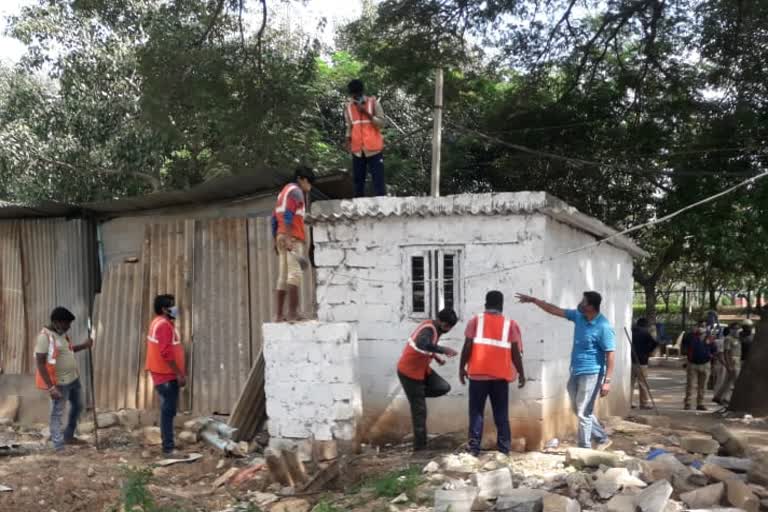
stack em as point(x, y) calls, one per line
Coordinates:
point(223, 188)
point(13, 328)
point(513, 203)
point(118, 332)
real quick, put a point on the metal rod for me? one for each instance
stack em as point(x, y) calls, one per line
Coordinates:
point(93, 389)
point(645, 381)
point(437, 134)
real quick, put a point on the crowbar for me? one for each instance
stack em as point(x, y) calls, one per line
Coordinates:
point(93, 388)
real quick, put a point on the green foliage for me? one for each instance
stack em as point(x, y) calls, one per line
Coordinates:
point(325, 506)
point(134, 492)
point(395, 483)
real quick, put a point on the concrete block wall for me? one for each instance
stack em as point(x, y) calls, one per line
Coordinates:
point(362, 279)
point(312, 381)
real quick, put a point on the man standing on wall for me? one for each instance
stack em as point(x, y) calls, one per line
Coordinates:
point(643, 345)
point(419, 381)
point(364, 118)
point(592, 362)
point(57, 373)
point(492, 345)
point(289, 234)
point(165, 361)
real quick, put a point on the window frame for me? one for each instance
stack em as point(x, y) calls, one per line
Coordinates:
point(434, 279)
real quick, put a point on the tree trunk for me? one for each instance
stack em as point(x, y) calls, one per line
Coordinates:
point(747, 395)
point(712, 298)
point(650, 301)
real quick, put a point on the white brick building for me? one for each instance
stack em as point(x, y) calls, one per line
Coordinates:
point(384, 264)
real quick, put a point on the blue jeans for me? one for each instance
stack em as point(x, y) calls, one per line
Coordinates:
point(498, 391)
point(169, 402)
point(361, 165)
point(71, 393)
point(583, 390)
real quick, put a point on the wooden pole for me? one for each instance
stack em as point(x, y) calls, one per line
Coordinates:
point(437, 134)
point(93, 389)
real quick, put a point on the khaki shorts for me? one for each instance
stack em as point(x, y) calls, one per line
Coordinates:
point(289, 271)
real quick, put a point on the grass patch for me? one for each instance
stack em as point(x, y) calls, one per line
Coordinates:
point(397, 482)
point(134, 492)
point(324, 506)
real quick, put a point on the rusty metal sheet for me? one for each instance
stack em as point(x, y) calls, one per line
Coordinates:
point(119, 336)
point(221, 314)
point(38, 260)
point(13, 329)
point(168, 253)
point(76, 268)
point(249, 412)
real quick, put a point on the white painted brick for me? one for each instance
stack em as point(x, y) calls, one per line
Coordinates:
point(320, 234)
point(336, 332)
point(322, 432)
point(343, 411)
point(329, 257)
point(344, 430)
point(379, 313)
point(295, 430)
point(336, 295)
point(342, 390)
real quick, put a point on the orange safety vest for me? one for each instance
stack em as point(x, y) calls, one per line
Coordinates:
point(414, 362)
point(50, 363)
point(155, 362)
point(365, 135)
point(297, 226)
point(491, 349)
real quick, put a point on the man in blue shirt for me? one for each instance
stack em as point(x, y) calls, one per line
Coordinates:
point(699, 347)
point(592, 361)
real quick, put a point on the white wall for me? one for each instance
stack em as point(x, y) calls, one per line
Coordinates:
point(354, 257)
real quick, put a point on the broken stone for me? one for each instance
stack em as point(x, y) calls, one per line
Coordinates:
point(493, 483)
point(585, 499)
point(703, 445)
point(462, 463)
point(621, 503)
point(655, 497)
point(664, 467)
point(758, 473)
point(91, 472)
point(577, 481)
point(584, 457)
point(717, 473)
point(706, 497)
point(741, 496)
point(733, 445)
point(188, 437)
point(196, 425)
point(522, 500)
point(455, 500)
point(9, 408)
point(152, 436)
point(674, 506)
point(557, 503)
point(85, 427)
point(491, 465)
point(291, 505)
point(129, 418)
point(106, 419)
point(610, 481)
point(262, 499)
point(764, 503)
point(403, 498)
point(733, 463)
point(432, 467)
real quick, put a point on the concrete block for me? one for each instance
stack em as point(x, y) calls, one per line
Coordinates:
point(106, 419)
point(717, 473)
point(557, 503)
point(655, 497)
point(295, 430)
point(522, 500)
point(129, 418)
point(732, 463)
point(329, 257)
point(584, 457)
point(493, 483)
point(455, 500)
point(333, 333)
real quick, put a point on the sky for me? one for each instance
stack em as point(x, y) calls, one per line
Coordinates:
point(11, 50)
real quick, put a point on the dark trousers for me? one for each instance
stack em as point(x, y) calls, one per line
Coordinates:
point(361, 166)
point(417, 392)
point(169, 402)
point(498, 391)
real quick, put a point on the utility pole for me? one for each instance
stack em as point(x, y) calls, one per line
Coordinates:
point(434, 188)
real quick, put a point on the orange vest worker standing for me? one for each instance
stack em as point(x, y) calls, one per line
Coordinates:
point(165, 362)
point(492, 344)
point(419, 381)
point(364, 118)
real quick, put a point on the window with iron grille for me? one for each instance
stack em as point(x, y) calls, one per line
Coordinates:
point(434, 281)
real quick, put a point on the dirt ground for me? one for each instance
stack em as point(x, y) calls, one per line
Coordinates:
point(82, 479)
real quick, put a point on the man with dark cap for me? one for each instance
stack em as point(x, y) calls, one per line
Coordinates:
point(57, 373)
point(491, 358)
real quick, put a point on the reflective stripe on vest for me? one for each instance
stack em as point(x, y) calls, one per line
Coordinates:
point(491, 349)
point(481, 340)
point(414, 362)
point(370, 106)
point(364, 134)
point(54, 349)
point(152, 337)
point(282, 200)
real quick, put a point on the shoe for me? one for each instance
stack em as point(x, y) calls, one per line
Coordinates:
point(173, 454)
point(633, 407)
point(646, 407)
point(603, 445)
point(75, 442)
point(701, 408)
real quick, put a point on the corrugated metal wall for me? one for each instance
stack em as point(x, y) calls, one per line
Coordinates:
point(44, 263)
point(13, 330)
point(221, 316)
point(168, 251)
point(119, 312)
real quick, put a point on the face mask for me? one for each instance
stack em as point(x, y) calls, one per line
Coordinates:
point(173, 312)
